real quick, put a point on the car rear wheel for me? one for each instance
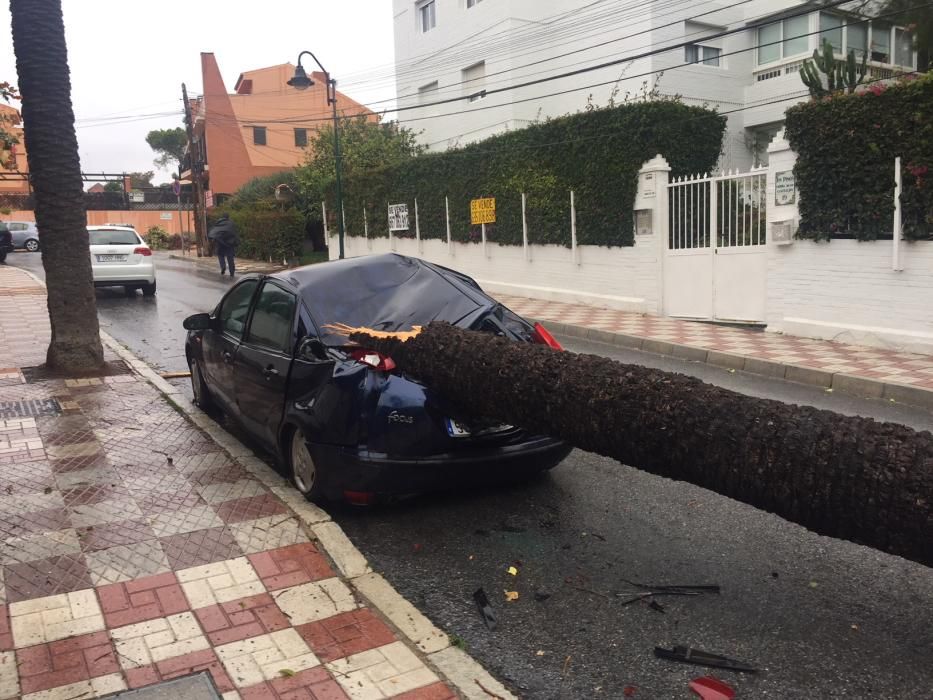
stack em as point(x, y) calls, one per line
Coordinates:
point(32, 245)
point(129, 291)
point(202, 395)
point(3, 257)
point(149, 290)
point(305, 472)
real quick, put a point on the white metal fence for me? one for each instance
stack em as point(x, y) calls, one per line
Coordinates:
point(730, 206)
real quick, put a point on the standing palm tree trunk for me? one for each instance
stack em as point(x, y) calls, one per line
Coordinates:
point(55, 172)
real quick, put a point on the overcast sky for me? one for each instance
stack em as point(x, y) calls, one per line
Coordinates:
point(128, 59)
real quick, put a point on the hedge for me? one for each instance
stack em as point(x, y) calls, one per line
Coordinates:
point(267, 234)
point(846, 146)
point(597, 154)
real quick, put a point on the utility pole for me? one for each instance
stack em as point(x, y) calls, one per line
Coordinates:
point(200, 215)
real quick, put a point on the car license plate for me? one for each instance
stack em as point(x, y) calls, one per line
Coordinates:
point(111, 258)
point(454, 429)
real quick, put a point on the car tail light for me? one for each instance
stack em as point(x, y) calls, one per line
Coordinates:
point(359, 498)
point(542, 336)
point(373, 359)
point(142, 251)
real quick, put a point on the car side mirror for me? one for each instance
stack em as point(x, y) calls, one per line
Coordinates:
point(311, 349)
point(198, 322)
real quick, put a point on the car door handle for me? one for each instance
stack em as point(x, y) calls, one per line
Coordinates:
point(270, 372)
point(228, 357)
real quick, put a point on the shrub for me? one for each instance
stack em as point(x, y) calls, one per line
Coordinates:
point(846, 147)
point(597, 154)
point(157, 238)
point(269, 234)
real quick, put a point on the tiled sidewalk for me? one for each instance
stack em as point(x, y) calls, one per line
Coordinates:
point(134, 549)
point(824, 355)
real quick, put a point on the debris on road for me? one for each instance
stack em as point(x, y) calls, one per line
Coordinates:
point(656, 606)
point(541, 595)
point(513, 571)
point(174, 375)
point(652, 591)
point(485, 609)
point(511, 596)
point(710, 688)
point(689, 655)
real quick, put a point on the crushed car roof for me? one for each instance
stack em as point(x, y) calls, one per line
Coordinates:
point(388, 292)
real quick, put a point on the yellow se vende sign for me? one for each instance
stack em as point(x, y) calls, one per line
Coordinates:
point(483, 211)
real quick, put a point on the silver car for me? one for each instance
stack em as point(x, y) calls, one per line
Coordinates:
point(25, 235)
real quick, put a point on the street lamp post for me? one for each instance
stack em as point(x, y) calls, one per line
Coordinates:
point(301, 81)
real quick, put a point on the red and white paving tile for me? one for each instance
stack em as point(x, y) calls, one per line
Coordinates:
point(133, 550)
point(872, 363)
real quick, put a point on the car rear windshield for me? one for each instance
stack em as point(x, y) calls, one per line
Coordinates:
point(113, 237)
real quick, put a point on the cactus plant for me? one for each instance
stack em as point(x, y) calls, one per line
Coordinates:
point(841, 76)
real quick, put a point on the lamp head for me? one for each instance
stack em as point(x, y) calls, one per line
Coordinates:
point(300, 81)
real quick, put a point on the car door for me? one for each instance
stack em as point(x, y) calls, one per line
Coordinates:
point(264, 360)
point(221, 343)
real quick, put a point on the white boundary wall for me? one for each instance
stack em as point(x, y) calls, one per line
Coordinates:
point(615, 278)
point(842, 290)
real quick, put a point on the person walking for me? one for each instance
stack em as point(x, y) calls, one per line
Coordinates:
point(226, 240)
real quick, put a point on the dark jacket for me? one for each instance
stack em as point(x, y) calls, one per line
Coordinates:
point(224, 233)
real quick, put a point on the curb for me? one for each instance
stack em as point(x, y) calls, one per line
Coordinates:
point(862, 387)
point(457, 668)
point(247, 266)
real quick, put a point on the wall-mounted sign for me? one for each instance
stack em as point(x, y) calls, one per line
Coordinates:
point(137, 197)
point(483, 211)
point(647, 185)
point(208, 199)
point(643, 223)
point(784, 190)
point(398, 217)
point(165, 216)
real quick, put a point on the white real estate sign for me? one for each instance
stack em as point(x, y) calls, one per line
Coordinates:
point(398, 217)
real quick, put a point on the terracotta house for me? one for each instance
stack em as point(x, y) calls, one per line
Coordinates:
point(261, 128)
point(16, 155)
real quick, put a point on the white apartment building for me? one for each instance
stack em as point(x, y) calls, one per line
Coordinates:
point(465, 50)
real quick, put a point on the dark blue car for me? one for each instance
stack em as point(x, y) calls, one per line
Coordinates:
point(345, 422)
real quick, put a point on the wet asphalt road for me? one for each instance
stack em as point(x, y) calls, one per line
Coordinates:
point(822, 618)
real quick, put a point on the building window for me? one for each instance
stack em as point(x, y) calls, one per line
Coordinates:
point(831, 31)
point(474, 81)
point(769, 46)
point(707, 55)
point(857, 39)
point(880, 43)
point(426, 92)
point(783, 39)
point(259, 135)
point(301, 137)
point(426, 17)
point(796, 40)
point(903, 48)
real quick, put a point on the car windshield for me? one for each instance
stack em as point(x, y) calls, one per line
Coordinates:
point(113, 237)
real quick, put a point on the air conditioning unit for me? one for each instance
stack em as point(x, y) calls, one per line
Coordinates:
point(782, 232)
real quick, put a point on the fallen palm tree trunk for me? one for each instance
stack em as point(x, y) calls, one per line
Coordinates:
point(847, 477)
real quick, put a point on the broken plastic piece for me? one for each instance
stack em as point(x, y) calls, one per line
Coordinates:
point(485, 609)
point(710, 688)
point(513, 571)
point(689, 655)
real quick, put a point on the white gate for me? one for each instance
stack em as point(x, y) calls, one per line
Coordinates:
point(715, 265)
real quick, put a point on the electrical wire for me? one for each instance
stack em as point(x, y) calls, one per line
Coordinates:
point(569, 74)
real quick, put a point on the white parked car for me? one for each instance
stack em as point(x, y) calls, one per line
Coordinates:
point(120, 258)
